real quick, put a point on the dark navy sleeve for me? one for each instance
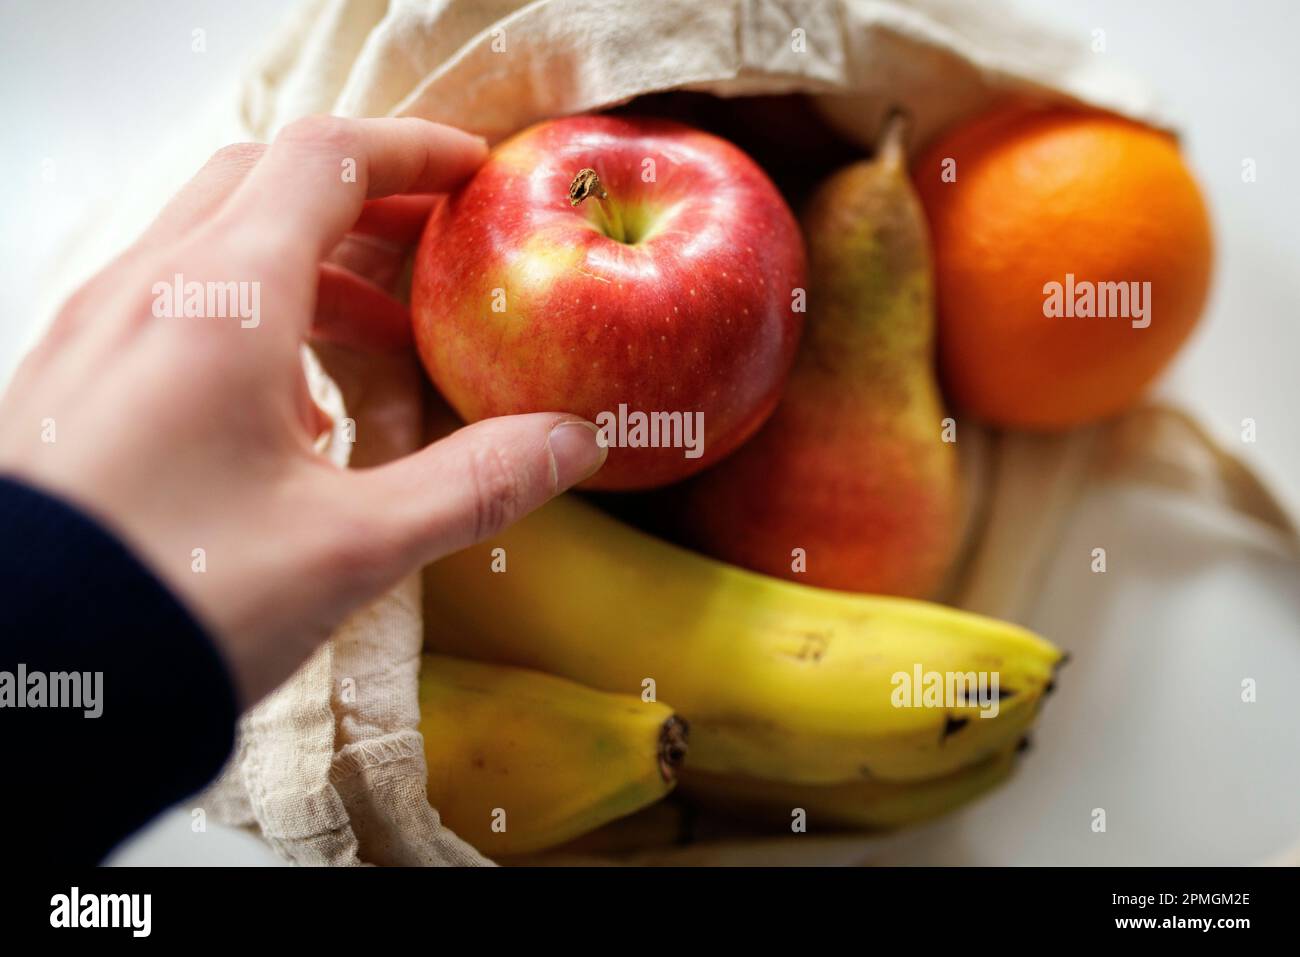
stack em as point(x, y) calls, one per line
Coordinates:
point(114, 702)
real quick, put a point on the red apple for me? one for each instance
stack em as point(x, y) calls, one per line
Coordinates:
point(677, 296)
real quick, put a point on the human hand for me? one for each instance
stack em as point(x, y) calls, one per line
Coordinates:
point(197, 433)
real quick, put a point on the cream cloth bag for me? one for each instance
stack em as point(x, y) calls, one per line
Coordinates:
point(329, 769)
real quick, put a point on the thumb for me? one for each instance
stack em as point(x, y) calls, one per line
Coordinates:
point(481, 479)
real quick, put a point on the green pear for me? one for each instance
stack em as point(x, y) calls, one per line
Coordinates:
point(853, 483)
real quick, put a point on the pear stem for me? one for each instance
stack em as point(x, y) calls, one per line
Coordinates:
point(587, 183)
point(893, 134)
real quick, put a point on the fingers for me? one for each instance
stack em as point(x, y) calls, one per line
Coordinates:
point(352, 312)
point(371, 258)
point(353, 308)
point(301, 195)
point(397, 219)
point(310, 186)
point(202, 196)
point(477, 481)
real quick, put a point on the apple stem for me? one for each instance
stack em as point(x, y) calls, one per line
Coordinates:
point(587, 183)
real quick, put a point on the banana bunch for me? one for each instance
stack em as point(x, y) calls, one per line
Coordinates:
point(780, 682)
point(519, 761)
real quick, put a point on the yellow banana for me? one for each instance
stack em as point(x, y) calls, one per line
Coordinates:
point(871, 805)
point(520, 761)
point(737, 804)
point(719, 807)
point(779, 680)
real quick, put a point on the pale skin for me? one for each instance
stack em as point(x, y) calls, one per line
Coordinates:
point(182, 433)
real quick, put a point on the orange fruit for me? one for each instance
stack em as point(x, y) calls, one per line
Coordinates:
point(1052, 215)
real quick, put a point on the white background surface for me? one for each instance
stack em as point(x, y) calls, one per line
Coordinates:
point(1148, 722)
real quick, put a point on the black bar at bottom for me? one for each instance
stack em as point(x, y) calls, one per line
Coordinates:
point(962, 906)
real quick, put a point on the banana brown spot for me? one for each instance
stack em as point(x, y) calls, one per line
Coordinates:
point(952, 725)
point(673, 746)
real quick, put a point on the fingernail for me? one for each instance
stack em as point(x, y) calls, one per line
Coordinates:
point(575, 453)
